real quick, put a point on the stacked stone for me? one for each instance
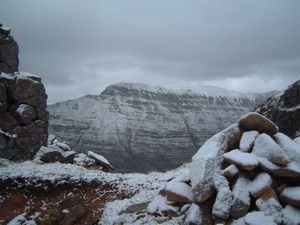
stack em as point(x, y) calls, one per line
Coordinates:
point(23, 116)
point(245, 175)
point(9, 50)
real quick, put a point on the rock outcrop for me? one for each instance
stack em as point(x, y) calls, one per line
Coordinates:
point(252, 193)
point(23, 116)
point(284, 110)
point(23, 102)
point(143, 128)
point(9, 50)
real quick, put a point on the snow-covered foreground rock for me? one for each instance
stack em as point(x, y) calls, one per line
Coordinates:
point(230, 185)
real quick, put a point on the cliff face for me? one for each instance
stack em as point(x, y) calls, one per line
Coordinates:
point(143, 128)
point(9, 51)
point(284, 110)
point(23, 101)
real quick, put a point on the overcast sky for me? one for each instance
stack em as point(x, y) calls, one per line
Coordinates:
point(81, 46)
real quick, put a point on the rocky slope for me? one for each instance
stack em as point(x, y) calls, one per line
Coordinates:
point(142, 128)
point(284, 110)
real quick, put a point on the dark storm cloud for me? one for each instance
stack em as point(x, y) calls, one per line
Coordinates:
point(80, 46)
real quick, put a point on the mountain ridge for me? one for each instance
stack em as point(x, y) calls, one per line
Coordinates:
point(144, 128)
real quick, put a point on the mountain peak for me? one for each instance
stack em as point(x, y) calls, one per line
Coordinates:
point(201, 90)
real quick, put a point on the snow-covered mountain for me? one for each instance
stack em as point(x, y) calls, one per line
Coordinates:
point(141, 128)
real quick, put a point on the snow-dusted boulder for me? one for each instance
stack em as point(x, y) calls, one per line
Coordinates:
point(291, 196)
point(269, 204)
point(49, 155)
point(179, 192)
point(247, 140)
point(243, 160)
point(255, 121)
point(291, 215)
point(241, 197)
point(266, 147)
point(291, 170)
point(220, 182)
point(223, 204)
point(290, 147)
point(260, 184)
point(198, 216)
point(258, 218)
point(63, 146)
point(54, 154)
point(83, 160)
point(224, 199)
point(230, 171)
point(207, 162)
point(100, 160)
point(160, 206)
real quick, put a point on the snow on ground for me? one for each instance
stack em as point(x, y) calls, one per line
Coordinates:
point(258, 218)
point(146, 186)
point(23, 219)
point(62, 173)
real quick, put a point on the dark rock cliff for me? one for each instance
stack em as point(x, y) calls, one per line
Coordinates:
point(284, 110)
point(23, 101)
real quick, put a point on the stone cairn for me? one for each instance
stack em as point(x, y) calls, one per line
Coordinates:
point(247, 174)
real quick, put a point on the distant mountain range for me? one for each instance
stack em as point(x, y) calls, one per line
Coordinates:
point(141, 128)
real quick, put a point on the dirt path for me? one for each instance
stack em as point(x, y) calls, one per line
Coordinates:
point(77, 203)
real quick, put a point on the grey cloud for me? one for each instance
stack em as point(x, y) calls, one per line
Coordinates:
point(175, 42)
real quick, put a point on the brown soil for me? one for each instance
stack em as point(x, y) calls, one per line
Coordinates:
point(77, 203)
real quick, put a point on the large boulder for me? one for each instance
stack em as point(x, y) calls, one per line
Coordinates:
point(26, 123)
point(255, 121)
point(179, 192)
point(241, 197)
point(266, 147)
point(206, 163)
point(291, 196)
